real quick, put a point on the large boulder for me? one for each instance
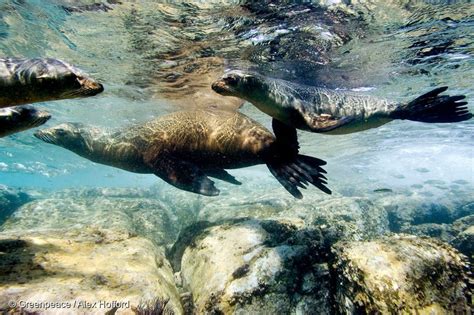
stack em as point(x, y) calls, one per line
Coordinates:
point(79, 266)
point(89, 245)
point(400, 274)
point(258, 266)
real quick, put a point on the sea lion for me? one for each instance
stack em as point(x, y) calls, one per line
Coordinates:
point(24, 81)
point(20, 118)
point(184, 148)
point(337, 112)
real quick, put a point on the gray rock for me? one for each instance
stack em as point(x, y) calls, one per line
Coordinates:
point(90, 245)
point(444, 232)
point(458, 234)
point(407, 209)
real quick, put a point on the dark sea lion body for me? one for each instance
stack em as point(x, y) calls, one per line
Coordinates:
point(184, 148)
point(318, 109)
point(24, 81)
point(20, 118)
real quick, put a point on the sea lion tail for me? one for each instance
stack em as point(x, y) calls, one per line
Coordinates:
point(434, 108)
point(298, 172)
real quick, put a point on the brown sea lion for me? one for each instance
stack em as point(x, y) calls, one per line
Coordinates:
point(184, 148)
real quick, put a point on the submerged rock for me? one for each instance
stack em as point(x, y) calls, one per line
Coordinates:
point(286, 266)
point(254, 254)
point(80, 266)
point(356, 218)
point(87, 246)
point(411, 209)
point(400, 274)
point(255, 266)
point(145, 217)
point(10, 200)
point(464, 242)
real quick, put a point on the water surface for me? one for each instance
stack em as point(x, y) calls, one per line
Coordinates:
point(156, 57)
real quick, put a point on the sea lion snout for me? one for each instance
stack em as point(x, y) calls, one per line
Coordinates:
point(237, 83)
point(93, 87)
point(44, 136)
point(39, 118)
point(44, 115)
point(226, 84)
point(63, 133)
point(219, 86)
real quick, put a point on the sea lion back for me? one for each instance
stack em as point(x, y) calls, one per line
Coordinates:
point(223, 132)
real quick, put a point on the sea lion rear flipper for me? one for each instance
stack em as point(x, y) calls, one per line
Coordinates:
point(325, 122)
point(432, 107)
point(222, 175)
point(183, 175)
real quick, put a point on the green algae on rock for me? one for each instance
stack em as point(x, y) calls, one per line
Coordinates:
point(400, 274)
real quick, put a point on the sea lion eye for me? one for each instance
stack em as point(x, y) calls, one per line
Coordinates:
point(71, 78)
point(231, 80)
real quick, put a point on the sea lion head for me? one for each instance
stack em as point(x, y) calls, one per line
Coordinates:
point(24, 115)
point(241, 84)
point(19, 118)
point(72, 136)
point(53, 79)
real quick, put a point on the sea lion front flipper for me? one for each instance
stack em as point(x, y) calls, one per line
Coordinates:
point(325, 122)
point(286, 136)
point(183, 175)
point(222, 175)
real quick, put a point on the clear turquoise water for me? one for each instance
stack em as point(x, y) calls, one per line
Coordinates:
point(396, 49)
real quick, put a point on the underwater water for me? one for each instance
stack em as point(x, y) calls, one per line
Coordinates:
point(156, 57)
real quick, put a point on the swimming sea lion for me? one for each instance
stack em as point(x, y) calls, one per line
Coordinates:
point(20, 118)
point(184, 148)
point(24, 81)
point(337, 112)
